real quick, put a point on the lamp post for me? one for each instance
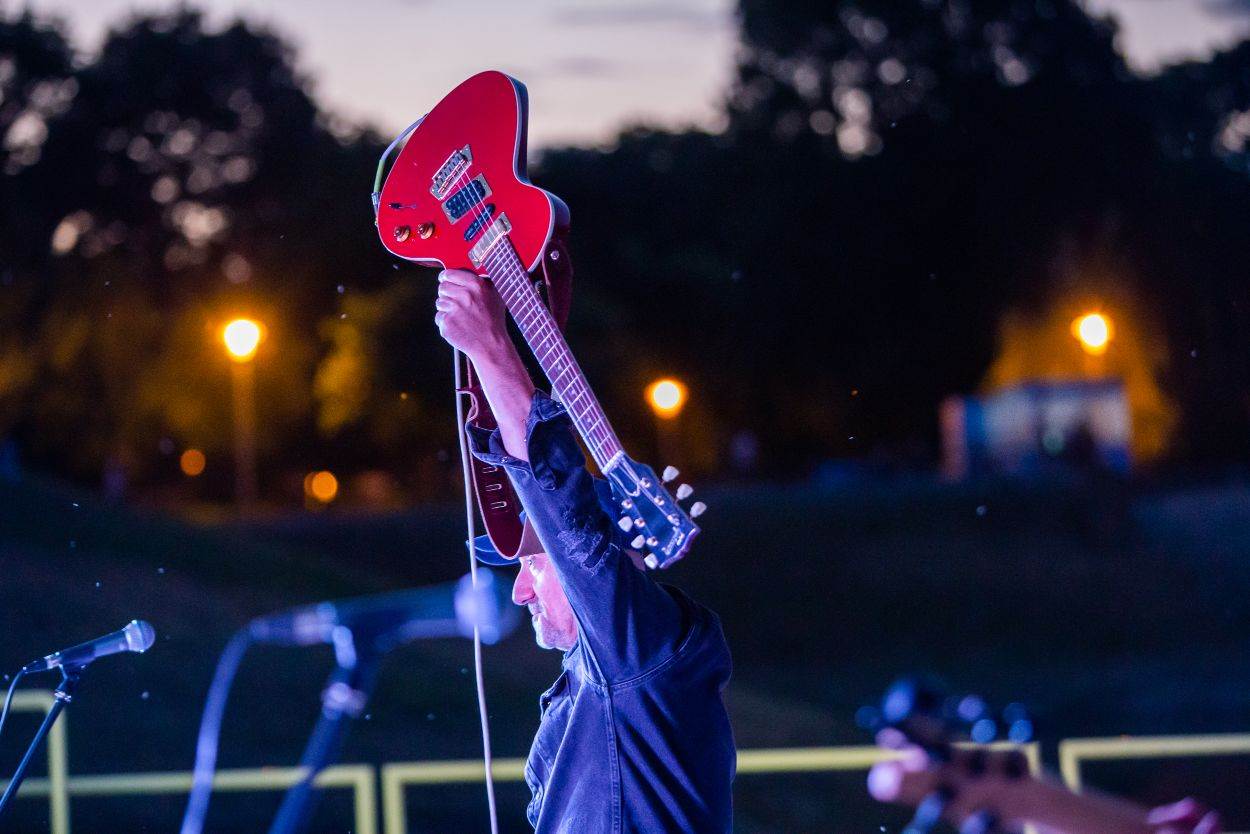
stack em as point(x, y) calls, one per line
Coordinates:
point(667, 397)
point(242, 337)
point(1094, 332)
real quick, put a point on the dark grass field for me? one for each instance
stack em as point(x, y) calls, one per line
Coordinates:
point(1107, 611)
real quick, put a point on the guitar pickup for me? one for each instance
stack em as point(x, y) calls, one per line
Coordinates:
point(447, 173)
point(493, 234)
point(479, 222)
point(466, 198)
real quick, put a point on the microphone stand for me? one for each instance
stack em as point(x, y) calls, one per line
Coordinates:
point(62, 695)
point(344, 698)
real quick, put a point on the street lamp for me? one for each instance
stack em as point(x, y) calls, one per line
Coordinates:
point(667, 398)
point(1093, 331)
point(242, 337)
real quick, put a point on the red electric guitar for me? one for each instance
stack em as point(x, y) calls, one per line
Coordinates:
point(457, 197)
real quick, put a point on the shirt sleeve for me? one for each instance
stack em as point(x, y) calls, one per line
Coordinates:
point(628, 622)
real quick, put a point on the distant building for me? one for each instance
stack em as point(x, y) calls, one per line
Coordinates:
point(1034, 427)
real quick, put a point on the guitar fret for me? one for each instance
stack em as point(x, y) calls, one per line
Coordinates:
point(538, 326)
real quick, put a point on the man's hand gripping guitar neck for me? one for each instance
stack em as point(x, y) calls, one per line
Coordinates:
point(470, 315)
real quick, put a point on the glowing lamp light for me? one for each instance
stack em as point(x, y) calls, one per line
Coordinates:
point(1093, 331)
point(667, 397)
point(242, 337)
point(322, 486)
point(192, 462)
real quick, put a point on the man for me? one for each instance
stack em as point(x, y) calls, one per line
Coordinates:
point(634, 735)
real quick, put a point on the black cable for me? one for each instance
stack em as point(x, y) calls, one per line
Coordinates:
point(8, 699)
point(210, 731)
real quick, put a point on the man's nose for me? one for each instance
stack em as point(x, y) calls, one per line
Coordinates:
point(523, 587)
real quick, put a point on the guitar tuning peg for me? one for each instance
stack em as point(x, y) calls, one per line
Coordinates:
point(652, 541)
point(697, 509)
point(650, 561)
point(670, 472)
point(638, 542)
point(626, 523)
point(684, 491)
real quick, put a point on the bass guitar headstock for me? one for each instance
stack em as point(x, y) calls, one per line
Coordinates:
point(663, 529)
point(941, 775)
point(990, 787)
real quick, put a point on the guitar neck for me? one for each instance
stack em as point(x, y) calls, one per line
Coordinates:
point(547, 343)
point(1039, 801)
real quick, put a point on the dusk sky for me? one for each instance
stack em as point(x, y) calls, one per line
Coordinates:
point(591, 65)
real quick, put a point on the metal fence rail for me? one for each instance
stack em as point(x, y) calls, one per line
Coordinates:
point(396, 777)
point(399, 775)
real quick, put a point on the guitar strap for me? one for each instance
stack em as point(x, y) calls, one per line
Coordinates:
point(496, 499)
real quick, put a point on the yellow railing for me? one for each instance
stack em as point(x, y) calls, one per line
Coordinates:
point(397, 776)
point(54, 786)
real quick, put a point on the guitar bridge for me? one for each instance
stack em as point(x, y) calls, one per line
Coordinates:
point(449, 171)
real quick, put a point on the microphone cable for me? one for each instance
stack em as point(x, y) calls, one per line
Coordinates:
point(210, 731)
point(8, 699)
point(470, 519)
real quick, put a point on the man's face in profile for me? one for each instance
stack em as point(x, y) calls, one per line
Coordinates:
point(538, 588)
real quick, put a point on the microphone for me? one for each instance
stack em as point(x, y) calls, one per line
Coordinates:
point(451, 609)
point(137, 636)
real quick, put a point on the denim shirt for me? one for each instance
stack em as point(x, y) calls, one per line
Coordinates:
point(633, 735)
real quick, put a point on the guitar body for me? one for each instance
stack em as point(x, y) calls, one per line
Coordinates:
point(496, 107)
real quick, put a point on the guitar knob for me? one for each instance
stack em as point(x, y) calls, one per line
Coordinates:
point(626, 523)
point(684, 491)
point(650, 561)
point(637, 543)
point(697, 509)
point(670, 472)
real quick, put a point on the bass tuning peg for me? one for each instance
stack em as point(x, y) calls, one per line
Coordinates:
point(684, 491)
point(697, 509)
point(670, 472)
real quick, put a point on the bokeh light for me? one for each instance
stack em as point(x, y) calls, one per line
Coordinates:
point(321, 486)
point(1093, 331)
point(667, 397)
point(192, 462)
point(242, 338)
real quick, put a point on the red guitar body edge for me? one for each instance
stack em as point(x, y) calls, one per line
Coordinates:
point(496, 107)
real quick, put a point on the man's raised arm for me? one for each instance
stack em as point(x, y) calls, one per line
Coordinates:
point(628, 621)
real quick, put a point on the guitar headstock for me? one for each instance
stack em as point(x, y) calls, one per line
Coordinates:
point(923, 714)
point(993, 787)
point(941, 775)
point(662, 529)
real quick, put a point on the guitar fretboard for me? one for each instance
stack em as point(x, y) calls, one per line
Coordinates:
point(543, 335)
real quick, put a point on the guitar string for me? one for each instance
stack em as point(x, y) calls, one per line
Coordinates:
point(599, 436)
point(531, 304)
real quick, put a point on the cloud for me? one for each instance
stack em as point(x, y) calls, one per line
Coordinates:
point(645, 14)
point(1229, 8)
point(584, 65)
